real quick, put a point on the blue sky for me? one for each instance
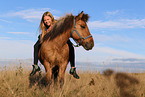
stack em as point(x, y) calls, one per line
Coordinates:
point(117, 26)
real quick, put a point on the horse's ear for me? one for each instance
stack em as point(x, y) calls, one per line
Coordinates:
point(79, 16)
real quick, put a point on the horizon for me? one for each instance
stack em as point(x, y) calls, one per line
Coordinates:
point(117, 66)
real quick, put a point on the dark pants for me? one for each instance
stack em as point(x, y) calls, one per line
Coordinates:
point(71, 52)
point(36, 50)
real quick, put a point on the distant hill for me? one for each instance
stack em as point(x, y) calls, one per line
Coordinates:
point(125, 65)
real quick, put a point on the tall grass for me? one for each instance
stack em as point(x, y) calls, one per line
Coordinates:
point(15, 82)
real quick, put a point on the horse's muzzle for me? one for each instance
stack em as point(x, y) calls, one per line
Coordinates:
point(89, 45)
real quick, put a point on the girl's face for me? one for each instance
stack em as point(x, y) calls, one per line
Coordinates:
point(47, 20)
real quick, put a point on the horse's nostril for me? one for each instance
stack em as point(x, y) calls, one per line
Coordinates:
point(89, 45)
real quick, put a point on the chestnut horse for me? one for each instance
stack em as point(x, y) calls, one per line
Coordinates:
point(54, 51)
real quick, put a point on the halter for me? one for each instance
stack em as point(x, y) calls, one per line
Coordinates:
point(80, 43)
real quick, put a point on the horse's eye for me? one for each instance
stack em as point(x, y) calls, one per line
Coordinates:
point(82, 26)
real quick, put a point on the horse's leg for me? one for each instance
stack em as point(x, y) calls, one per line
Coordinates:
point(62, 68)
point(48, 73)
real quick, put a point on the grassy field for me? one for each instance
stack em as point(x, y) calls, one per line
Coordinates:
point(15, 82)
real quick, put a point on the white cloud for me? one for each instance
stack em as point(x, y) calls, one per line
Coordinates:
point(4, 38)
point(24, 49)
point(100, 54)
point(116, 52)
point(15, 49)
point(5, 20)
point(117, 24)
point(117, 20)
point(112, 12)
point(19, 32)
point(29, 14)
point(111, 38)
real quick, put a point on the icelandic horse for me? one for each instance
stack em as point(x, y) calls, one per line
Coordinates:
point(54, 51)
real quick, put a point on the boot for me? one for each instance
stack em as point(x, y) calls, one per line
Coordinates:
point(73, 72)
point(36, 68)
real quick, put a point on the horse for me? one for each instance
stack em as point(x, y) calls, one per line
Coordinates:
point(54, 51)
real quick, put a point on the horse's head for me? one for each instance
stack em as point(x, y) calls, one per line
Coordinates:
point(81, 32)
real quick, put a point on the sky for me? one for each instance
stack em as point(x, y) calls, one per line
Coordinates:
point(117, 27)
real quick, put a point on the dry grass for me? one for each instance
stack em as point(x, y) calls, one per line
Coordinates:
point(15, 83)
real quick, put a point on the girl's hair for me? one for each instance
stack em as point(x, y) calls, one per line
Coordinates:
point(42, 26)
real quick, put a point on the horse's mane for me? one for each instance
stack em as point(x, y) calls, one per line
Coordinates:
point(61, 26)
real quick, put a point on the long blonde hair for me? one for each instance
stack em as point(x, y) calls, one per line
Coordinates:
point(42, 27)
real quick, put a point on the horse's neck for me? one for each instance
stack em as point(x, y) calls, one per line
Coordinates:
point(62, 39)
